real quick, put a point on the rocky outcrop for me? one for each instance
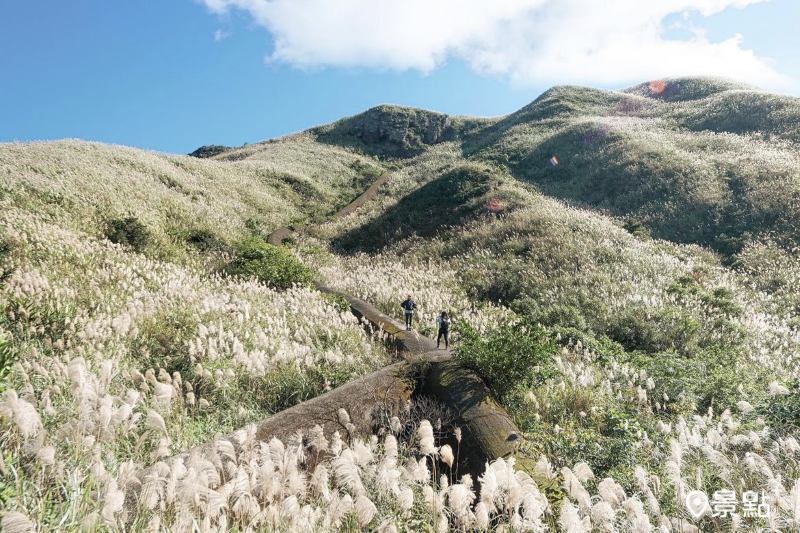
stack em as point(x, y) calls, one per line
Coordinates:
point(389, 131)
point(210, 150)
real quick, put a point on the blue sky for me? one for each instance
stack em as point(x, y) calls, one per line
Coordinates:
point(171, 75)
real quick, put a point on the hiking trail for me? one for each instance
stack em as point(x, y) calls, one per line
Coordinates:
point(487, 430)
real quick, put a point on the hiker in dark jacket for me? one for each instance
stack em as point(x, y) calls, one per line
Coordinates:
point(444, 327)
point(408, 306)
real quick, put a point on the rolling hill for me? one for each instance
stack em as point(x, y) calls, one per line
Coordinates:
point(650, 234)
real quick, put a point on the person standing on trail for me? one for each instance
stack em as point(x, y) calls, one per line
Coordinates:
point(408, 306)
point(444, 327)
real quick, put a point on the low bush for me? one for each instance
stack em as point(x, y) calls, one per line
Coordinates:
point(7, 357)
point(636, 227)
point(274, 265)
point(510, 357)
point(204, 240)
point(128, 231)
point(782, 411)
point(5, 250)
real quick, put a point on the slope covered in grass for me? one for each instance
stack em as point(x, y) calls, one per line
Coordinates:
point(701, 162)
point(691, 160)
point(671, 362)
point(85, 185)
point(676, 368)
point(113, 356)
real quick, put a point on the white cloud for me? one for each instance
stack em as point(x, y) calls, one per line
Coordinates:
point(220, 35)
point(553, 41)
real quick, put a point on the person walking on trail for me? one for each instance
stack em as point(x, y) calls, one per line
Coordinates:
point(444, 327)
point(408, 306)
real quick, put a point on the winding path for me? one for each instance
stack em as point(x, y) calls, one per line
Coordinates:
point(409, 341)
point(490, 432)
point(487, 430)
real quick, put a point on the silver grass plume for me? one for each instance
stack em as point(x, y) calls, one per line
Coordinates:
point(637, 518)
point(603, 516)
point(47, 456)
point(481, 517)
point(642, 479)
point(433, 500)
point(390, 446)
point(23, 413)
point(317, 439)
point(460, 500)
point(405, 499)
point(243, 504)
point(152, 488)
point(156, 422)
point(569, 519)
point(387, 527)
point(583, 472)
point(320, 481)
point(226, 450)
point(338, 507)
point(16, 522)
point(611, 492)
point(363, 452)
point(489, 489)
point(446, 454)
point(90, 522)
point(425, 439)
point(346, 470)
point(336, 443)
point(576, 490)
point(544, 469)
point(365, 511)
point(112, 503)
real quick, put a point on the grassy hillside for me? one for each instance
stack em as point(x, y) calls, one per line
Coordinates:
point(668, 366)
point(83, 186)
point(702, 162)
point(653, 334)
point(397, 132)
point(691, 160)
point(113, 356)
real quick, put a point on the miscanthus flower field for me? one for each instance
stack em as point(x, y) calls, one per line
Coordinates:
point(125, 344)
point(694, 399)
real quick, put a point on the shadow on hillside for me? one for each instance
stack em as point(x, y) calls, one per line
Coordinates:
point(446, 201)
point(656, 184)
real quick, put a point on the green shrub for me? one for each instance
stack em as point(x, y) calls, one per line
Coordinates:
point(601, 346)
point(667, 329)
point(782, 412)
point(722, 300)
point(366, 170)
point(637, 228)
point(564, 316)
point(5, 250)
point(338, 302)
point(204, 240)
point(274, 265)
point(7, 358)
point(714, 376)
point(512, 356)
point(158, 343)
point(128, 231)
